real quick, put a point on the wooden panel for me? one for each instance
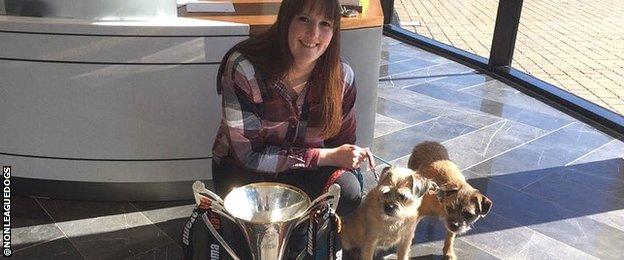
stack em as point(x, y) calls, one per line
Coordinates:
point(180, 26)
point(260, 14)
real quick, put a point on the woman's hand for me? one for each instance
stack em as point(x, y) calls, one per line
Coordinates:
point(346, 156)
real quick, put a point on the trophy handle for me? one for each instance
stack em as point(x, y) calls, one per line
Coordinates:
point(216, 206)
point(334, 190)
point(218, 236)
point(200, 188)
point(331, 197)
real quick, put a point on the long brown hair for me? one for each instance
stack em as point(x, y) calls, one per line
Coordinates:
point(271, 56)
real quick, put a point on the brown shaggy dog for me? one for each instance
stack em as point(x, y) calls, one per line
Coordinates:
point(458, 204)
point(388, 215)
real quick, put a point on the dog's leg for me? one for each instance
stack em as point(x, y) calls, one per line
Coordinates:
point(403, 248)
point(449, 252)
point(367, 252)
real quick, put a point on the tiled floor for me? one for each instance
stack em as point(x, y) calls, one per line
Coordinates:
point(557, 184)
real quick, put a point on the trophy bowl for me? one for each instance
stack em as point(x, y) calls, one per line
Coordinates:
point(267, 202)
point(266, 212)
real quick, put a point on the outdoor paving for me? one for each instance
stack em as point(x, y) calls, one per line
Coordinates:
point(573, 44)
point(557, 184)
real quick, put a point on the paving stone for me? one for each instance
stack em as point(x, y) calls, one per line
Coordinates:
point(556, 41)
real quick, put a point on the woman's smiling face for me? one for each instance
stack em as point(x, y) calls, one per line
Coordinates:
point(309, 34)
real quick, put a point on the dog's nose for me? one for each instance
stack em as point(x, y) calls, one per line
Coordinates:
point(455, 225)
point(390, 208)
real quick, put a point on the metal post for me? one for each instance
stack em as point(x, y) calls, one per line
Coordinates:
point(388, 7)
point(505, 31)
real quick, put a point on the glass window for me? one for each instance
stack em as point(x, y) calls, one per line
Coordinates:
point(575, 45)
point(464, 24)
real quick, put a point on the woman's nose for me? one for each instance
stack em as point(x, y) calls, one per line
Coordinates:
point(313, 30)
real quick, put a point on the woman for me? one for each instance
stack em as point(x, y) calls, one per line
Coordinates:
point(288, 107)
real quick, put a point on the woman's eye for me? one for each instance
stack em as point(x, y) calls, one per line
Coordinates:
point(326, 24)
point(304, 19)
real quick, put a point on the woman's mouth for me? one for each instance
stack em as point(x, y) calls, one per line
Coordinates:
point(308, 44)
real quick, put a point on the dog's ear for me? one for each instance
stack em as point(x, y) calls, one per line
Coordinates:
point(432, 187)
point(387, 171)
point(421, 186)
point(484, 204)
point(447, 190)
point(416, 185)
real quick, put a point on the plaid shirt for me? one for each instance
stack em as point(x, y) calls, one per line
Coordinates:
point(264, 127)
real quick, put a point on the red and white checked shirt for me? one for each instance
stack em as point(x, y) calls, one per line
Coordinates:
point(267, 128)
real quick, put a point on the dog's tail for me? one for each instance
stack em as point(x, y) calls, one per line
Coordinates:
point(426, 153)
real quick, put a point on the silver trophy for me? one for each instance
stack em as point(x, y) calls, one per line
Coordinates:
point(266, 212)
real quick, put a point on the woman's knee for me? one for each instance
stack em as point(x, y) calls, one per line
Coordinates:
point(350, 193)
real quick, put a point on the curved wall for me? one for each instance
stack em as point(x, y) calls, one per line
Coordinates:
point(127, 110)
point(120, 103)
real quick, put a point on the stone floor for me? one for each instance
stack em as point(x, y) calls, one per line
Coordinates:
point(573, 44)
point(557, 184)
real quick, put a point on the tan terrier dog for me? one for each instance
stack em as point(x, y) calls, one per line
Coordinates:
point(388, 215)
point(458, 203)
